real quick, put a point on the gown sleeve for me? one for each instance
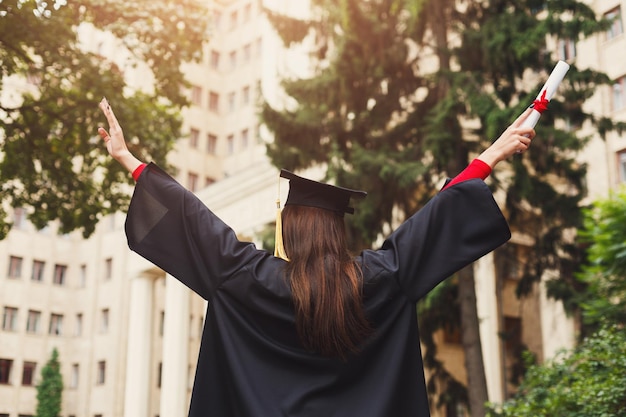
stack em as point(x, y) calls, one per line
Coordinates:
point(458, 226)
point(169, 226)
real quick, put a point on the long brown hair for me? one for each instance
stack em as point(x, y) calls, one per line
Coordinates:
point(326, 282)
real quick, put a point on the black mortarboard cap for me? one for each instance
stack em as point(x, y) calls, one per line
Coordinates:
point(306, 192)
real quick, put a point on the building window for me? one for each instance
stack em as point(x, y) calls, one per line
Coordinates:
point(108, 268)
point(211, 144)
point(104, 320)
point(214, 60)
point(619, 94)
point(234, 17)
point(9, 319)
point(59, 274)
point(208, 181)
point(161, 322)
point(192, 181)
point(32, 321)
point(231, 102)
point(15, 267)
point(230, 142)
point(617, 28)
point(233, 60)
point(74, 376)
point(83, 276)
point(245, 96)
point(28, 373)
point(5, 370)
point(214, 102)
point(101, 376)
point(38, 267)
point(566, 49)
point(78, 331)
point(244, 138)
point(159, 374)
point(19, 218)
point(196, 95)
point(247, 53)
point(194, 135)
point(56, 324)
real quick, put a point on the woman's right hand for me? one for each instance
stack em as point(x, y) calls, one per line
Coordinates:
point(114, 139)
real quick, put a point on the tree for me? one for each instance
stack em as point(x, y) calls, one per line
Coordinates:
point(603, 301)
point(388, 111)
point(50, 389)
point(585, 382)
point(50, 159)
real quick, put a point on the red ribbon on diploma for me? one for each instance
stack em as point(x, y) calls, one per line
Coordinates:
point(541, 104)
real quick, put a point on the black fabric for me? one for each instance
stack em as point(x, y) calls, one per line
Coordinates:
point(251, 362)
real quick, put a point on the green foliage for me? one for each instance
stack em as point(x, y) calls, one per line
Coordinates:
point(604, 233)
point(50, 389)
point(586, 382)
point(51, 160)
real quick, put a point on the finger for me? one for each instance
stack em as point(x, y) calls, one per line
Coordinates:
point(522, 117)
point(108, 113)
point(103, 134)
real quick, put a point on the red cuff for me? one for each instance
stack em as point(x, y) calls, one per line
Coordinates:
point(476, 169)
point(137, 172)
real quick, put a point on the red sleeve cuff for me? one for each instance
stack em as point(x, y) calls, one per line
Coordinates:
point(137, 172)
point(476, 169)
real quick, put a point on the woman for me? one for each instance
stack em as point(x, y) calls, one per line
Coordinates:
point(322, 333)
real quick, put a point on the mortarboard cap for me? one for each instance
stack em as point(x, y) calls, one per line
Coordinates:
point(306, 192)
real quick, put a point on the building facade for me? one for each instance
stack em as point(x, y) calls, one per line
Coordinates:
point(128, 335)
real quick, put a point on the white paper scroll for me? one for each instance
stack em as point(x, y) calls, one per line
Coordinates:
point(555, 78)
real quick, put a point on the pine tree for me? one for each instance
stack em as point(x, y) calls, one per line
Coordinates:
point(50, 389)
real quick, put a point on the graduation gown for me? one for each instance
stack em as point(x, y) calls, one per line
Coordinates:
point(251, 363)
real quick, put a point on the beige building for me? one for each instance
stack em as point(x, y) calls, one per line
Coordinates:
point(128, 334)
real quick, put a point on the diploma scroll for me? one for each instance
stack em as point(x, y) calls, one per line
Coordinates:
point(546, 93)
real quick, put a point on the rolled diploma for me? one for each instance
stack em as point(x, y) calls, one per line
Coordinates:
point(555, 78)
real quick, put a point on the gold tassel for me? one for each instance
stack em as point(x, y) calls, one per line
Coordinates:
point(279, 248)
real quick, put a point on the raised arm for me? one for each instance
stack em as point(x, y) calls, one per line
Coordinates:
point(114, 139)
point(515, 139)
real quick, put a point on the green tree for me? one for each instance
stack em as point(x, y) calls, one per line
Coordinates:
point(50, 159)
point(588, 381)
point(378, 118)
point(603, 301)
point(50, 389)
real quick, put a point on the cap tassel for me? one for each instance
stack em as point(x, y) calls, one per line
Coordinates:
point(279, 248)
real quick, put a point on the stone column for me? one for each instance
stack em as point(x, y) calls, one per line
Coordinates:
point(487, 306)
point(174, 378)
point(137, 388)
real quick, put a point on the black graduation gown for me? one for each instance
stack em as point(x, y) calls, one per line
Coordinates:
point(251, 362)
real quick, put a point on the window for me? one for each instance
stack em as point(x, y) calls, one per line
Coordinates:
point(104, 320)
point(28, 373)
point(231, 102)
point(196, 95)
point(161, 322)
point(244, 138)
point(59, 274)
point(19, 218)
point(214, 60)
point(192, 181)
point(245, 96)
point(83, 276)
point(101, 375)
point(233, 60)
point(211, 144)
point(159, 374)
point(38, 267)
point(214, 102)
point(616, 28)
point(5, 370)
point(194, 135)
point(619, 94)
point(9, 319)
point(74, 375)
point(32, 321)
point(233, 20)
point(247, 53)
point(78, 330)
point(15, 267)
point(566, 49)
point(108, 268)
point(230, 141)
point(208, 181)
point(56, 324)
